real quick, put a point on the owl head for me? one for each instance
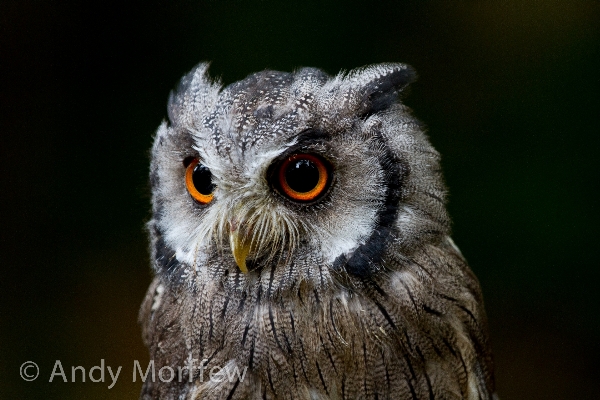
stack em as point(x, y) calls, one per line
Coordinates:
point(292, 177)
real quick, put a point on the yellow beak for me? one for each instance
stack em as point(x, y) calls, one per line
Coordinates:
point(240, 248)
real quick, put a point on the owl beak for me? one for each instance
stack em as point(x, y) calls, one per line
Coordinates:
point(240, 247)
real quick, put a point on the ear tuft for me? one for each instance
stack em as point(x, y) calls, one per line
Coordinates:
point(194, 90)
point(380, 85)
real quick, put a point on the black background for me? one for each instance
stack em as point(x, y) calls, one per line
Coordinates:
point(509, 90)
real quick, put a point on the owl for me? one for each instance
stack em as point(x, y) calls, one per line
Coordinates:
point(301, 247)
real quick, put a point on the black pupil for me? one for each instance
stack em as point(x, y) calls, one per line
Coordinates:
point(202, 179)
point(302, 175)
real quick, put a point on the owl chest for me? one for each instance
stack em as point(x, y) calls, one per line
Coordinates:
point(326, 347)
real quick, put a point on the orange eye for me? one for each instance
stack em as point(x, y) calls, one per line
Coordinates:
point(198, 181)
point(303, 177)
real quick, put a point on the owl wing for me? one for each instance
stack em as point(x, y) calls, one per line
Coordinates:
point(150, 304)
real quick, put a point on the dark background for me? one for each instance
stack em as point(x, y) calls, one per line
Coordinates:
point(509, 90)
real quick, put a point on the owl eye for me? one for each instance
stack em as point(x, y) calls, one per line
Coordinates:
point(303, 177)
point(198, 181)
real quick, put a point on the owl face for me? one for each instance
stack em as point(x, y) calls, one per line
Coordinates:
point(296, 175)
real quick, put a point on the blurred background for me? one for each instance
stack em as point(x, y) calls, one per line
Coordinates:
point(508, 89)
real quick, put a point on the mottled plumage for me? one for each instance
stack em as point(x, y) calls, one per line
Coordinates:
point(359, 294)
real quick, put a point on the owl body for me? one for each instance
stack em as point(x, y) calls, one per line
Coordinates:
point(301, 246)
